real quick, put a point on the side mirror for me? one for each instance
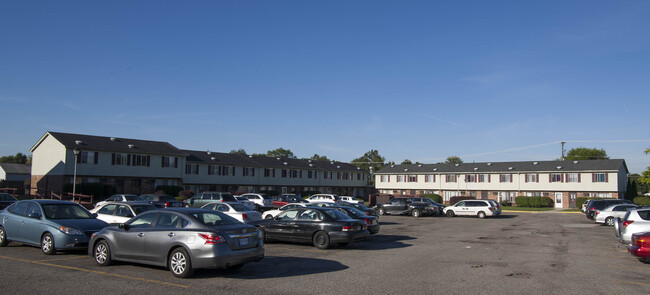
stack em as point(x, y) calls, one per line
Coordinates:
point(34, 215)
point(95, 215)
point(124, 226)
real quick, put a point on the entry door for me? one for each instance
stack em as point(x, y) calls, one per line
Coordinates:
point(558, 200)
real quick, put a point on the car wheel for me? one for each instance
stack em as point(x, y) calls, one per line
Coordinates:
point(269, 216)
point(381, 211)
point(321, 240)
point(416, 213)
point(3, 237)
point(450, 213)
point(481, 214)
point(180, 264)
point(47, 244)
point(609, 221)
point(102, 254)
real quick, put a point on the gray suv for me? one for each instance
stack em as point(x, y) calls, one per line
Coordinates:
point(200, 199)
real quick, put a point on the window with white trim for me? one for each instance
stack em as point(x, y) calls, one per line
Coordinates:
point(413, 178)
point(384, 178)
point(400, 178)
point(532, 177)
point(470, 178)
point(450, 178)
point(573, 177)
point(599, 177)
point(484, 178)
point(505, 178)
point(556, 177)
point(430, 178)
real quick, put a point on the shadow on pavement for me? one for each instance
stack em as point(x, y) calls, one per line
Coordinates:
point(275, 267)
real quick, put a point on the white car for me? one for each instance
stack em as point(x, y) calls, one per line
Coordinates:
point(323, 198)
point(118, 198)
point(480, 208)
point(634, 221)
point(273, 213)
point(262, 201)
point(351, 200)
point(120, 212)
point(235, 210)
point(608, 215)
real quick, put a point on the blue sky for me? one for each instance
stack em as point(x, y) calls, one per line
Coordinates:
point(417, 80)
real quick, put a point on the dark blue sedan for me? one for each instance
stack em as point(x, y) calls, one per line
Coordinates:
point(53, 225)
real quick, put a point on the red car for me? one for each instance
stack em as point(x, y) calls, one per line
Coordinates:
point(640, 246)
point(279, 201)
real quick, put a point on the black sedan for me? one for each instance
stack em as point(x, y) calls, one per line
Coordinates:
point(371, 221)
point(320, 226)
point(360, 207)
point(6, 200)
point(161, 200)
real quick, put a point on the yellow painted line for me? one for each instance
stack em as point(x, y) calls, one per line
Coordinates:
point(633, 283)
point(96, 272)
point(64, 259)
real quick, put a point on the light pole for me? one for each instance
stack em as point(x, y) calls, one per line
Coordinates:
point(74, 176)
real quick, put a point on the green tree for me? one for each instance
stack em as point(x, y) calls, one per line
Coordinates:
point(239, 152)
point(645, 175)
point(453, 160)
point(19, 158)
point(281, 153)
point(368, 160)
point(317, 157)
point(631, 192)
point(582, 153)
point(406, 162)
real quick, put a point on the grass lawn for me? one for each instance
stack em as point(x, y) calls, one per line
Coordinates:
point(506, 208)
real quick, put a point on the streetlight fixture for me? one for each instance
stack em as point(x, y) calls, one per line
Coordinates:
point(74, 176)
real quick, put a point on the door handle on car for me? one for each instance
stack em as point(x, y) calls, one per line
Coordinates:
point(141, 235)
point(171, 234)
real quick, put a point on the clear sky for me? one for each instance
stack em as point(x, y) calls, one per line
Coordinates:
point(417, 80)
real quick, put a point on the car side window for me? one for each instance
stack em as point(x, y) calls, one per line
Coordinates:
point(461, 204)
point(33, 208)
point(107, 210)
point(142, 221)
point(167, 220)
point(222, 208)
point(288, 215)
point(19, 208)
point(310, 215)
point(394, 201)
point(123, 211)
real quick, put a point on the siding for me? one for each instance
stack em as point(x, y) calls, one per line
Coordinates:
point(49, 158)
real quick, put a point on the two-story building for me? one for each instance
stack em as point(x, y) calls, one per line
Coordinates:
point(562, 181)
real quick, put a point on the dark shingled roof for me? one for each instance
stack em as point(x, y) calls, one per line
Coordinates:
point(500, 167)
point(103, 143)
point(16, 168)
point(263, 161)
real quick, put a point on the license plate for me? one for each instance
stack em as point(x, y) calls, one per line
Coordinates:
point(243, 241)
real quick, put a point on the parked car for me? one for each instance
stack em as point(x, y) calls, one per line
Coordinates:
point(51, 224)
point(181, 239)
point(200, 199)
point(118, 198)
point(497, 207)
point(235, 210)
point(6, 200)
point(279, 201)
point(115, 213)
point(405, 206)
point(320, 226)
point(607, 215)
point(584, 206)
point(599, 204)
point(371, 221)
point(360, 207)
point(350, 199)
point(437, 207)
point(480, 208)
point(634, 221)
point(262, 202)
point(245, 202)
point(640, 246)
point(272, 213)
point(160, 200)
point(319, 198)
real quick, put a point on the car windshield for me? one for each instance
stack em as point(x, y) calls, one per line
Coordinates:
point(142, 208)
point(66, 211)
point(361, 206)
point(228, 198)
point(131, 198)
point(336, 214)
point(211, 219)
point(239, 207)
point(356, 212)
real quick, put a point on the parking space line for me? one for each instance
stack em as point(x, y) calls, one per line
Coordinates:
point(95, 272)
point(633, 283)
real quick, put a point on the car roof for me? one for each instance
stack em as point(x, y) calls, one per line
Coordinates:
point(128, 203)
point(49, 202)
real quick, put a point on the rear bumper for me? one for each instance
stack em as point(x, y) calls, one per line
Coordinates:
point(223, 257)
point(348, 237)
point(639, 252)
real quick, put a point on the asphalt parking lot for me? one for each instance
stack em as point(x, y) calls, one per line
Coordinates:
point(539, 253)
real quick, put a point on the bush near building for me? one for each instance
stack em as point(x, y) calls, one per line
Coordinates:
point(642, 201)
point(172, 190)
point(534, 202)
point(582, 200)
point(435, 197)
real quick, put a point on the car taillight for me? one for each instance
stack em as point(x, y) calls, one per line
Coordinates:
point(597, 212)
point(348, 228)
point(491, 209)
point(244, 216)
point(168, 204)
point(368, 213)
point(367, 221)
point(627, 222)
point(640, 241)
point(592, 208)
point(212, 239)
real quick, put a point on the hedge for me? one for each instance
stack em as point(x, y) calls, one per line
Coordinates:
point(435, 197)
point(581, 200)
point(642, 201)
point(534, 202)
point(172, 190)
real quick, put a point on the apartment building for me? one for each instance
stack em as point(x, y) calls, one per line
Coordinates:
point(563, 181)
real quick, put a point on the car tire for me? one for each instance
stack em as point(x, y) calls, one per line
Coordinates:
point(102, 253)
point(3, 237)
point(47, 244)
point(381, 211)
point(179, 263)
point(416, 213)
point(321, 240)
point(450, 213)
point(481, 215)
point(609, 221)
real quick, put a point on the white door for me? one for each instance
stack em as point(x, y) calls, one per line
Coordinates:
point(558, 200)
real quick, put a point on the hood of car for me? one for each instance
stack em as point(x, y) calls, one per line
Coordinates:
point(82, 224)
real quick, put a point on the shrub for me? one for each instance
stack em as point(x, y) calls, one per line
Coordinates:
point(172, 190)
point(534, 202)
point(546, 202)
point(522, 201)
point(186, 194)
point(435, 197)
point(506, 203)
point(642, 201)
point(456, 199)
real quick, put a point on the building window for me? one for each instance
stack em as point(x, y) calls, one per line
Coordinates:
point(413, 178)
point(450, 178)
point(88, 158)
point(269, 172)
point(599, 177)
point(192, 169)
point(573, 177)
point(384, 178)
point(555, 177)
point(484, 178)
point(400, 178)
point(169, 162)
point(429, 178)
point(505, 178)
point(212, 170)
point(470, 178)
point(248, 171)
point(534, 177)
point(226, 170)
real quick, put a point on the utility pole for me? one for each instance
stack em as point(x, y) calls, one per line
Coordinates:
point(562, 142)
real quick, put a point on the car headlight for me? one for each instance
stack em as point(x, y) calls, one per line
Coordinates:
point(70, 231)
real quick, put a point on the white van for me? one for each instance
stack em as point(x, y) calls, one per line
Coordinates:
point(480, 208)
